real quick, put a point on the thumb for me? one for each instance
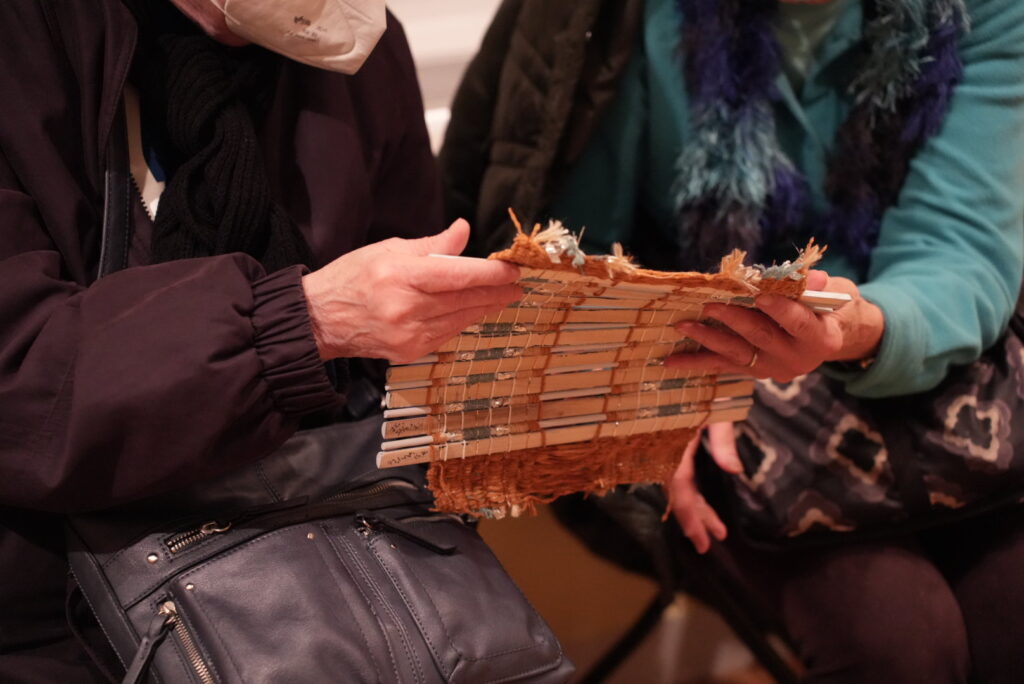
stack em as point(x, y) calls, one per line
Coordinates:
point(450, 241)
point(722, 445)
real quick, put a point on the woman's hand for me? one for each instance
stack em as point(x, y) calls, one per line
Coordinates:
point(390, 300)
point(696, 517)
point(780, 338)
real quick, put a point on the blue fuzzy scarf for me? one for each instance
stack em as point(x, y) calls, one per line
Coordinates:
point(736, 188)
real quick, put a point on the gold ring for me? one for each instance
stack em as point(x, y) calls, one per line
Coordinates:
point(753, 360)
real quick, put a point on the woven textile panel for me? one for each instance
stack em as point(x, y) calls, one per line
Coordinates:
point(566, 390)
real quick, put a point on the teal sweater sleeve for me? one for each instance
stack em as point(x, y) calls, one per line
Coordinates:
point(947, 268)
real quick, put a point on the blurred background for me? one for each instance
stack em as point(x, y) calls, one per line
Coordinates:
point(588, 602)
point(444, 36)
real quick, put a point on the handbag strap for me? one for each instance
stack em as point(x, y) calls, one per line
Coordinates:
point(117, 194)
point(74, 597)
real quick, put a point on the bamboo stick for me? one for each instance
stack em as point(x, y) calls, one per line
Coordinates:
point(554, 437)
point(553, 362)
point(432, 421)
point(539, 314)
point(632, 350)
point(466, 434)
point(472, 342)
point(512, 372)
point(532, 382)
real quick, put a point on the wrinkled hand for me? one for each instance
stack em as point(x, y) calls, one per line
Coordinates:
point(696, 517)
point(780, 338)
point(389, 300)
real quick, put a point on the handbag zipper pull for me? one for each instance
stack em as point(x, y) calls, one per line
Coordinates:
point(158, 628)
point(367, 523)
point(180, 541)
point(177, 543)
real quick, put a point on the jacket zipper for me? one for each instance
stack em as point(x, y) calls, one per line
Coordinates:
point(138, 190)
point(188, 643)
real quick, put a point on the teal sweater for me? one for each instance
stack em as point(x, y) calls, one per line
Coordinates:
point(948, 265)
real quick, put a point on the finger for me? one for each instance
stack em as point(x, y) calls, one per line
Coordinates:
point(705, 362)
point(817, 280)
point(444, 303)
point(436, 274)
point(756, 327)
point(795, 318)
point(688, 516)
point(844, 285)
point(711, 522)
point(440, 329)
point(698, 535)
point(685, 499)
point(685, 470)
point(452, 240)
point(722, 445)
point(723, 342)
point(710, 363)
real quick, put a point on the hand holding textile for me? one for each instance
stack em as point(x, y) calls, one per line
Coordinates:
point(390, 300)
point(780, 338)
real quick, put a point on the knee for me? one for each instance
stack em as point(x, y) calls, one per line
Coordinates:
point(896, 644)
point(906, 651)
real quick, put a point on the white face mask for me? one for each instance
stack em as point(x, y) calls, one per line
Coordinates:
point(330, 34)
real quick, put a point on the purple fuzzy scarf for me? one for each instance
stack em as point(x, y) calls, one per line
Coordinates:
point(737, 189)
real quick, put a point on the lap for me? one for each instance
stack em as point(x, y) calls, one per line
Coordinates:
point(929, 608)
point(983, 560)
point(877, 611)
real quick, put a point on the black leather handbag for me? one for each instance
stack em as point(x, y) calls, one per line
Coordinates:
point(276, 573)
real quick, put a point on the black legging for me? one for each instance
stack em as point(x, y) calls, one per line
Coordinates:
point(944, 606)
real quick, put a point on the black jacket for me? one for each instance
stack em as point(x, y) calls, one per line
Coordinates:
point(158, 376)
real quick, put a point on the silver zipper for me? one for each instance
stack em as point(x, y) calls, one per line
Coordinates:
point(182, 540)
point(140, 196)
point(192, 654)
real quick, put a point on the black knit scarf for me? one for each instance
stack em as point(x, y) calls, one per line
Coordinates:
point(209, 99)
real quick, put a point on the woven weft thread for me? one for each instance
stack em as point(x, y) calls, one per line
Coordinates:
point(515, 482)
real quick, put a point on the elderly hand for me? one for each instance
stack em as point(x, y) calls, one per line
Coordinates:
point(780, 338)
point(389, 300)
point(697, 519)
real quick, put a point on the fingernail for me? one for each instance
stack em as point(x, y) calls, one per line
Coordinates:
point(767, 301)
